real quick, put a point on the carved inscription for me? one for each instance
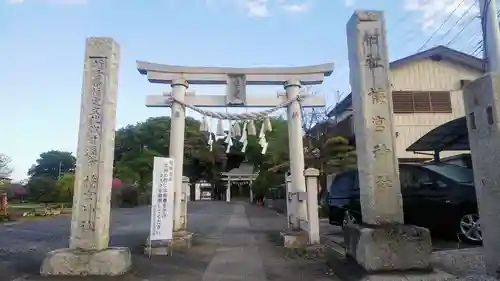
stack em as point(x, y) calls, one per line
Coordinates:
point(383, 182)
point(236, 89)
point(380, 150)
point(379, 123)
point(371, 47)
point(88, 205)
point(378, 96)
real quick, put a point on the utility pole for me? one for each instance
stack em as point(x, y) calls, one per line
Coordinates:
point(491, 34)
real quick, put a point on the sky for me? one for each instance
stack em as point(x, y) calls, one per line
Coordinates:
point(41, 54)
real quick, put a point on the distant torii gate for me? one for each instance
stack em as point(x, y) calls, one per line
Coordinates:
point(244, 173)
point(179, 77)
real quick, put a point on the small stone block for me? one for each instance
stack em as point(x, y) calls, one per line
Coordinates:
point(182, 240)
point(389, 247)
point(76, 262)
point(294, 239)
point(157, 248)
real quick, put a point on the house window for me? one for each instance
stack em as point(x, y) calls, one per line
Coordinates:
point(421, 102)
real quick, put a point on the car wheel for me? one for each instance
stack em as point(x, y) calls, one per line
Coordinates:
point(348, 219)
point(470, 229)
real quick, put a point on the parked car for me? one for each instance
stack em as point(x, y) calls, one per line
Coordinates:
point(440, 197)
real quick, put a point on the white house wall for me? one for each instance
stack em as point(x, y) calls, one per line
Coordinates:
point(428, 75)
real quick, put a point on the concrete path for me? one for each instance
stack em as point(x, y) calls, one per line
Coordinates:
point(237, 258)
point(232, 242)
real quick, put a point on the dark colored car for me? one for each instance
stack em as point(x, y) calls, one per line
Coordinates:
point(440, 197)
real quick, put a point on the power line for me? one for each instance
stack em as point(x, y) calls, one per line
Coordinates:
point(477, 49)
point(466, 25)
point(404, 17)
point(441, 26)
point(471, 38)
point(457, 21)
point(412, 32)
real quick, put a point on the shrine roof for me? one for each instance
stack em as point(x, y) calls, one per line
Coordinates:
point(244, 169)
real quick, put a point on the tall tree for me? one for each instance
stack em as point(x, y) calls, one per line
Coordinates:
point(64, 187)
point(42, 189)
point(53, 164)
point(136, 145)
point(276, 154)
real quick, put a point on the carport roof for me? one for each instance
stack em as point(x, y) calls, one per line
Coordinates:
point(449, 136)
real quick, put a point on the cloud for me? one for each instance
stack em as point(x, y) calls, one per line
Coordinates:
point(349, 3)
point(257, 8)
point(295, 8)
point(434, 12)
point(65, 2)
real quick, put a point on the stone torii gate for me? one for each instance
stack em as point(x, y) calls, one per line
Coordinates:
point(180, 77)
point(244, 173)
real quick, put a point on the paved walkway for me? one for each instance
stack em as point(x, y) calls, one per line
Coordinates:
point(232, 242)
point(238, 257)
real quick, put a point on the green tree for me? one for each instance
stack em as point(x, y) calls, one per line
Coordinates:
point(276, 154)
point(53, 164)
point(337, 155)
point(64, 187)
point(42, 189)
point(136, 145)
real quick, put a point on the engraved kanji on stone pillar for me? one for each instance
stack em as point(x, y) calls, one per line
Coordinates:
point(94, 165)
point(381, 201)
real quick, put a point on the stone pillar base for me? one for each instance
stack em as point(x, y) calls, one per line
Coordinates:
point(389, 247)
point(158, 248)
point(75, 262)
point(295, 239)
point(181, 240)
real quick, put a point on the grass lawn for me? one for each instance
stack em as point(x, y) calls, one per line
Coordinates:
point(22, 206)
point(26, 207)
point(16, 210)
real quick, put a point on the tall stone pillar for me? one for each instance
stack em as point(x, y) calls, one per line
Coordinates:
point(185, 190)
point(228, 191)
point(296, 148)
point(383, 243)
point(177, 128)
point(312, 183)
point(197, 191)
point(482, 107)
point(289, 207)
point(251, 192)
point(88, 253)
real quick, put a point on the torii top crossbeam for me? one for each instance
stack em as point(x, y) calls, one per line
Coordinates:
point(165, 74)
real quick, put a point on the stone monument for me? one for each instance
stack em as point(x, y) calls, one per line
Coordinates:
point(88, 252)
point(481, 98)
point(383, 242)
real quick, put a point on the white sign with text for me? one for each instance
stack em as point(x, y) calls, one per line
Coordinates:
point(162, 199)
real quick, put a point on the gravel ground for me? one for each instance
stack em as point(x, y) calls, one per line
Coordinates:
point(232, 242)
